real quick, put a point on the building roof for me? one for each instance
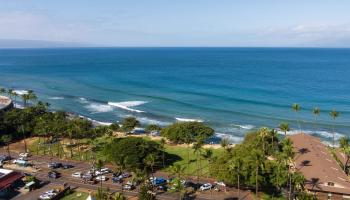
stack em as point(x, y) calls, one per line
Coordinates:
point(8, 179)
point(315, 162)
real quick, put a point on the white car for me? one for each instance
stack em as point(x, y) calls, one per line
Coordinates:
point(24, 155)
point(205, 186)
point(102, 171)
point(101, 178)
point(77, 175)
point(220, 183)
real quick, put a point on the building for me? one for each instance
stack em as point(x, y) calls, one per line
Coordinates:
point(8, 180)
point(5, 103)
point(324, 177)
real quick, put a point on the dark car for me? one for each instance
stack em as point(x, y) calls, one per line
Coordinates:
point(55, 165)
point(67, 166)
point(53, 174)
point(5, 157)
point(116, 174)
point(117, 179)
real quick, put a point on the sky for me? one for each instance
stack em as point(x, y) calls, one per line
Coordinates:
point(227, 23)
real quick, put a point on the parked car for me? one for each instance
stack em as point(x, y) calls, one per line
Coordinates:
point(102, 171)
point(117, 179)
point(77, 175)
point(48, 195)
point(116, 174)
point(5, 157)
point(101, 178)
point(205, 186)
point(67, 166)
point(220, 183)
point(158, 181)
point(53, 174)
point(24, 155)
point(87, 176)
point(54, 165)
point(20, 162)
point(126, 175)
point(128, 187)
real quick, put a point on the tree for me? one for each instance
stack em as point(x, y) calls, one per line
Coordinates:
point(162, 148)
point(296, 108)
point(29, 96)
point(129, 124)
point(284, 127)
point(10, 92)
point(197, 148)
point(235, 168)
point(263, 133)
point(146, 192)
point(6, 139)
point(187, 132)
point(114, 127)
point(225, 143)
point(208, 155)
point(177, 170)
point(316, 112)
point(150, 161)
point(334, 114)
point(2, 91)
point(99, 166)
point(130, 152)
point(119, 196)
point(152, 127)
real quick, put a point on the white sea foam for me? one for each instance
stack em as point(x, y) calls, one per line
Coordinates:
point(95, 121)
point(324, 134)
point(99, 108)
point(244, 126)
point(21, 92)
point(127, 105)
point(56, 98)
point(145, 120)
point(188, 120)
point(232, 138)
point(83, 100)
point(19, 106)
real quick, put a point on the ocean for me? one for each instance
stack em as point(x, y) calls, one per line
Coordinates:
point(234, 90)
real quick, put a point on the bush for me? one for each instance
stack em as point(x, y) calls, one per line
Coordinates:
point(130, 152)
point(187, 132)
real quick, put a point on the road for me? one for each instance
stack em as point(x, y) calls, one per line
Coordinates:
point(83, 166)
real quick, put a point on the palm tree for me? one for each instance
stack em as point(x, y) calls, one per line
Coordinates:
point(208, 155)
point(197, 148)
point(2, 91)
point(162, 147)
point(288, 155)
point(235, 167)
point(15, 94)
point(10, 92)
point(150, 161)
point(284, 127)
point(273, 135)
point(29, 96)
point(334, 114)
point(6, 139)
point(177, 170)
point(316, 112)
point(263, 132)
point(99, 166)
point(225, 143)
point(296, 108)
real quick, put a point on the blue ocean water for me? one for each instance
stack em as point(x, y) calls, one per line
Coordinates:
point(232, 89)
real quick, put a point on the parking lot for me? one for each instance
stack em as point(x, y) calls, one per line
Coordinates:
point(41, 169)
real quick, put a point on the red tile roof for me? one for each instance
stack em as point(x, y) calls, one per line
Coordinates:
point(8, 179)
point(316, 163)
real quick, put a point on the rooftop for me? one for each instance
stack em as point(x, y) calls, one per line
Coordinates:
point(4, 102)
point(321, 171)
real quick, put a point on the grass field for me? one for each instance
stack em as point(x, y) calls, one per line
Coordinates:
point(76, 196)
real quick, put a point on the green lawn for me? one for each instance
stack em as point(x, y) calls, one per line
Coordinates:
point(76, 196)
point(182, 153)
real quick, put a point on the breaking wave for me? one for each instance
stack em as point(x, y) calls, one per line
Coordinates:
point(99, 108)
point(56, 98)
point(188, 120)
point(127, 105)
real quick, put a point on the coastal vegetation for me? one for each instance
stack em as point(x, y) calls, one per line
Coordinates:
point(262, 162)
